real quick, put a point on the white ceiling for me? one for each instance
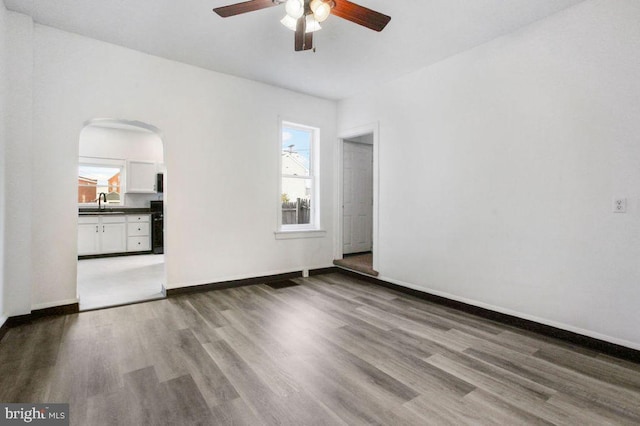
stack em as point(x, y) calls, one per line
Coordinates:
point(348, 58)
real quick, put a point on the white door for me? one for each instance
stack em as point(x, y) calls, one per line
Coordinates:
point(357, 193)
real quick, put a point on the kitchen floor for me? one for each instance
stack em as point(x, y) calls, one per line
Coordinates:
point(113, 281)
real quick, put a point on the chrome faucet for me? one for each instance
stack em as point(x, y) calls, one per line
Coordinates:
point(101, 197)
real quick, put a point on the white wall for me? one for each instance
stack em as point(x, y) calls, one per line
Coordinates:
point(3, 100)
point(20, 194)
point(221, 139)
point(498, 169)
point(100, 142)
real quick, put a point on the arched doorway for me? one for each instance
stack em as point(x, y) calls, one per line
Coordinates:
point(121, 175)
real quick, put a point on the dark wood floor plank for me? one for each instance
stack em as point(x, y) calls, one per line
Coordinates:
point(352, 365)
point(265, 405)
point(346, 316)
point(104, 374)
point(499, 411)
point(626, 365)
point(355, 288)
point(208, 312)
point(425, 331)
point(185, 403)
point(234, 413)
point(281, 302)
point(255, 330)
point(401, 358)
point(592, 367)
point(331, 350)
point(583, 411)
point(253, 391)
point(317, 288)
point(514, 390)
point(19, 385)
point(211, 382)
point(352, 400)
point(162, 350)
point(261, 362)
point(597, 392)
point(471, 339)
point(458, 318)
point(492, 378)
point(446, 409)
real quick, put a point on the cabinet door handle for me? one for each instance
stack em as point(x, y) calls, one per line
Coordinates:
point(102, 228)
point(139, 229)
point(96, 228)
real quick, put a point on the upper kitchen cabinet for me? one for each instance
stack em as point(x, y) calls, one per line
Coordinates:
point(141, 176)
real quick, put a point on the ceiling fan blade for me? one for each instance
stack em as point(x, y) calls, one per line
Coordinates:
point(244, 7)
point(303, 39)
point(360, 15)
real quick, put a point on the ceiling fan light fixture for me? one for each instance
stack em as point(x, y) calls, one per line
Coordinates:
point(289, 22)
point(294, 8)
point(321, 9)
point(312, 24)
point(304, 16)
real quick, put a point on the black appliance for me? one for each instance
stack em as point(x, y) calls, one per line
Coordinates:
point(157, 226)
point(159, 183)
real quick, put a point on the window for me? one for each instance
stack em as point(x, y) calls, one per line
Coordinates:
point(298, 203)
point(96, 177)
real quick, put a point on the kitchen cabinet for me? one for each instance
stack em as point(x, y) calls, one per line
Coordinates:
point(141, 177)
point(88, 235)
point(114, 234)
point(101, 234)
point(138, 232)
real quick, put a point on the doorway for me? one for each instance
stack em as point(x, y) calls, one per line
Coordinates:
point(121, 182)
point(357, 204)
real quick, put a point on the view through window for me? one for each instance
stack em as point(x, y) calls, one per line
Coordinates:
point(94, 180)
point(297, 175)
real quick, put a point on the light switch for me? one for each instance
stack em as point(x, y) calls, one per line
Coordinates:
point(620, 205)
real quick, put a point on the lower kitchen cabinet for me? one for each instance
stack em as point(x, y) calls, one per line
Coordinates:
point(114, 235)
point(88, 235)
point(106, 234)
point(139, 232)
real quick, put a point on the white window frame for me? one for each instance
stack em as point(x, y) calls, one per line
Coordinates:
point(106, 162)
point(312, 229)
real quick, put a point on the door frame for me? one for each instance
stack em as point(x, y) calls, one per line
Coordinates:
point(372, 128)
point(128, 124)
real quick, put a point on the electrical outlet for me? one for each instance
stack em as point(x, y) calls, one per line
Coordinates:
point(620, 205)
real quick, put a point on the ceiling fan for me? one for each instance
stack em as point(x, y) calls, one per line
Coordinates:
point(304, 16)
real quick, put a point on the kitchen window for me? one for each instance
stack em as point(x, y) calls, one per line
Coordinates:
point(298, 196)
point(96, 176)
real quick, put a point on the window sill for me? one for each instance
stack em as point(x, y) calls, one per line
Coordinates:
point(300, 233)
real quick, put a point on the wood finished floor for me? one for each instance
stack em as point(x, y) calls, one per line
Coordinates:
point(333, 350)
